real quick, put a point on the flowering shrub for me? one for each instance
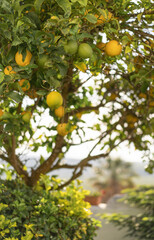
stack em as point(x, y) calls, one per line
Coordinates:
point(40, 213)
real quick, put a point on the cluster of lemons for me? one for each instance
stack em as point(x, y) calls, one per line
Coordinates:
point(55, 100)
point(23, 83)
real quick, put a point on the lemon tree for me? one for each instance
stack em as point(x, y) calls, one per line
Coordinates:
point(80, 60)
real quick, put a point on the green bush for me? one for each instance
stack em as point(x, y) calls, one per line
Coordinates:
point(140, 226)
point(40, 213)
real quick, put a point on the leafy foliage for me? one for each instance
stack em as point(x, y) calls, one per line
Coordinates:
point(116, 91)
point(140, 226)
point(27, 213)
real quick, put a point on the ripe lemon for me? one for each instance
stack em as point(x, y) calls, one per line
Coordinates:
point(24, 84)
point(26, 116)
point(1, 112)
point(59, 112)
point(101, 19)
point(19, 58)
point(113, 48)
point(71, 47)
point(101, 46)
point(8, 70)
point(62, 129)
point(85, 50)
point(54, 99)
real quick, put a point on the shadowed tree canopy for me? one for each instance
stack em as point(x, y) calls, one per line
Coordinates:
point(98, 55)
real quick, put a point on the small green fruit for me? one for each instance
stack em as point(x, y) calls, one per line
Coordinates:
point(71, 47)
point(26, 117)
point(43, 61)
point(85, 50)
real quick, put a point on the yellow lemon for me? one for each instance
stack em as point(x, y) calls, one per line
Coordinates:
point(19, 58)
point(113, 48)
point(62, 129)
point(59, 112)
point(8, 70)
point(24, 84)
point(54, 99)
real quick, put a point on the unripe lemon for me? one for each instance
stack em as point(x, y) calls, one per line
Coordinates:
point(113, 48)
point(59, 112)
point(62, 129)
point(24, 84)
point(19, 58)
point(54, 99)
point(8, 70)
point(43, 61)
point(85, 50)
point(71, 47)
point(26, 116)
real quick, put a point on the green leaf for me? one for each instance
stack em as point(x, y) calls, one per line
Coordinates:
point(22, 8)
point(16, 41)
point(84, 35)
point(1, 76)
point(15, 96)
point(65, 5)
point(139, 16)
point(37, 5)
point(81, 2)
point(128, 49)
point(7, 34)
point(41, 92)
point(91, 18)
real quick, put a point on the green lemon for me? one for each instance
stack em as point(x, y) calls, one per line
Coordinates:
point(71, 47)
point(85, 50)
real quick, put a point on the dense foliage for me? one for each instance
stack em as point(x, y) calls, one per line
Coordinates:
point(140, 226)
point(62, 44)
point(28, 214)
